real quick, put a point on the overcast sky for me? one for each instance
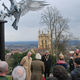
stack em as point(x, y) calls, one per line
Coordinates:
point(30, 23)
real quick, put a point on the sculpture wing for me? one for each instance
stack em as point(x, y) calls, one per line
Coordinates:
point(10, 1)
point(31, 5)
point(13, 2)
point(24, 6)
point(37, 5)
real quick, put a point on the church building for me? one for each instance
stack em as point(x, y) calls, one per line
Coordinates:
point(44, 40)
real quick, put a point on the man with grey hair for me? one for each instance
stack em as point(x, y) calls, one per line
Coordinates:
point(19, 73)
point(3, 70)
point(26, 63)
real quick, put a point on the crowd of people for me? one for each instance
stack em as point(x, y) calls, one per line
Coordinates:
point(40, 69)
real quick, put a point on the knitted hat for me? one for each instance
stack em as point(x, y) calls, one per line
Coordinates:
point(38, 56)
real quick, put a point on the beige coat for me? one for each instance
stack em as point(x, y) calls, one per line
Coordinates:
point(26, 63)
point(37, 70)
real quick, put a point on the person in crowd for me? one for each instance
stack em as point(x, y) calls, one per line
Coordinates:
point(47, 59)
point(75, 74)
point(61, 73)
point(19, 73)
point(26, 63)
point(71, 64)
point(61, 61)
point(77, 54)
point(3, 70)
point(37, 68)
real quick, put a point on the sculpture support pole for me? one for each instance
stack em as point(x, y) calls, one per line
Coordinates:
point(2, 41)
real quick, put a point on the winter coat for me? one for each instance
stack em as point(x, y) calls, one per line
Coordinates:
point(62, 63)
point(37, 69)
point(47, 63)
point(71, 64)
point(26, 63)
point(75, 74)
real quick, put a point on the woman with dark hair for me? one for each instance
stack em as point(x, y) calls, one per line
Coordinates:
point(60, 73)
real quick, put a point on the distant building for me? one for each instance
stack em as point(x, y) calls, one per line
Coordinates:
point(44, 40)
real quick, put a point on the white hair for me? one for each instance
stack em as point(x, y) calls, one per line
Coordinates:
point(19, 73)
point(29, 52)
point(3, 66)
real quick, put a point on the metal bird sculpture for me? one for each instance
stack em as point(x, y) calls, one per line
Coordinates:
point(18, 9)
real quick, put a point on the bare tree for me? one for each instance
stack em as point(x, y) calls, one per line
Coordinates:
point(57, 25)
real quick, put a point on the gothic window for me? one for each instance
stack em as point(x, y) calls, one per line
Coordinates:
point(42, 43)
point(45, 43)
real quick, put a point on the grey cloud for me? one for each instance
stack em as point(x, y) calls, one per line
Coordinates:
point(68, 8)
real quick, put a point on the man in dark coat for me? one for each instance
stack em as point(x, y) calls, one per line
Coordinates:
point(75, 74)
point(71, 64)
point(47, 59)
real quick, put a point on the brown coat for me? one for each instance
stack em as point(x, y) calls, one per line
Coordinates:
point(37, 69)
point(26, 63)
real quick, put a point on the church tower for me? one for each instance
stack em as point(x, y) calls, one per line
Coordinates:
point(44, 40)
